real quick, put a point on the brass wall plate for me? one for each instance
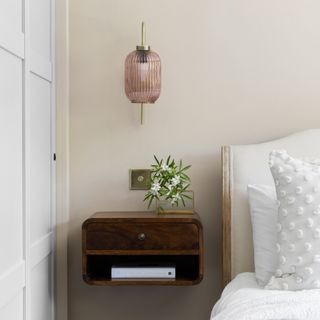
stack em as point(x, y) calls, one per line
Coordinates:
point(139, 179)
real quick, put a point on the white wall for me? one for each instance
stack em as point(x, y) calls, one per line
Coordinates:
point(233, 72)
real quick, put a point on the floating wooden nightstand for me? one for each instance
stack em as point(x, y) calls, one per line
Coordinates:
point(111, 238)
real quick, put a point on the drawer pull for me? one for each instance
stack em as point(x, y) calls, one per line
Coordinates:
point(141, 236)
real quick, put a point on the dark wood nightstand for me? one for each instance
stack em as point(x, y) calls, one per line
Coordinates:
point(111, 238)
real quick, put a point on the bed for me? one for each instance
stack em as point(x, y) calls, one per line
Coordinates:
point(242, 297)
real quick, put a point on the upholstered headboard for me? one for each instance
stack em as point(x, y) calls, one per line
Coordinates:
point(248, 164)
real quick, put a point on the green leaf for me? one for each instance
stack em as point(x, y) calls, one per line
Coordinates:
point(184, 176)
point(148, 195)
point(185, 168)
point(155, 158)
point(149, 203)
point(168, 160)
point(186, 187)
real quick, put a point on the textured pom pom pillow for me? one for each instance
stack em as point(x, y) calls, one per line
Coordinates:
point(298, 192)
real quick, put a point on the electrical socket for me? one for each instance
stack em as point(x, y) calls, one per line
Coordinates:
point(139, 179)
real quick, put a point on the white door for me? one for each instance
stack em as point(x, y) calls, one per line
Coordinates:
point(27, 168)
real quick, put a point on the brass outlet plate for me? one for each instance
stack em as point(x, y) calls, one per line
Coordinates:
point(139, 179)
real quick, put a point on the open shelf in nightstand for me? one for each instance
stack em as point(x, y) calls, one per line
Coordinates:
point(99, 268)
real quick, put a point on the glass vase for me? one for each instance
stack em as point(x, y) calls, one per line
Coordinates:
point(164, 206)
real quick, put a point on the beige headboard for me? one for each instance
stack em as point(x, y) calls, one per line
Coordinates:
point(248, 164)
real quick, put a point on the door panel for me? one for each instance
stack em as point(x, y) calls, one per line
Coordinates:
point(41, 290)
point(10, 15)
point(41, 160)
point(14, 309)
point(40, 157)
point(11, 36)
point(11, 160)
point(40, 30)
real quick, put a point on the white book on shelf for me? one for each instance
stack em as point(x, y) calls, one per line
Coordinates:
point(143, 271)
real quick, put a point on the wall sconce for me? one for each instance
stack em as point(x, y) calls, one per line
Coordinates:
point(143, 74)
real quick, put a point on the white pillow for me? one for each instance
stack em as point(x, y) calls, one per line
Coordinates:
point(298, 192)
point(264, 214)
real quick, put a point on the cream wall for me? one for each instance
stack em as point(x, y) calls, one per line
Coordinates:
point(233, 72)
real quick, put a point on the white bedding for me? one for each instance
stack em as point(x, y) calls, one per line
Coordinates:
point(243, 299)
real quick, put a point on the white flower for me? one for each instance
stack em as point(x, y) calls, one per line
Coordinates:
point(175, 198)
point(170, 187)
point(165, 167)
point(175, 180)
point(155, 188)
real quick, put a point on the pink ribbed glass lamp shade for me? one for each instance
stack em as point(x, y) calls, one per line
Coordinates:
point(143, 76)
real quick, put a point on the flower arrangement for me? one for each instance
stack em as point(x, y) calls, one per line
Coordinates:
point(168, 181)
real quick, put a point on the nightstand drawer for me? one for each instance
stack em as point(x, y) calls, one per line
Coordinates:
point(142, 236)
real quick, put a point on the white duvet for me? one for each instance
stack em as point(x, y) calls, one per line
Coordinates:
point(243, 299)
